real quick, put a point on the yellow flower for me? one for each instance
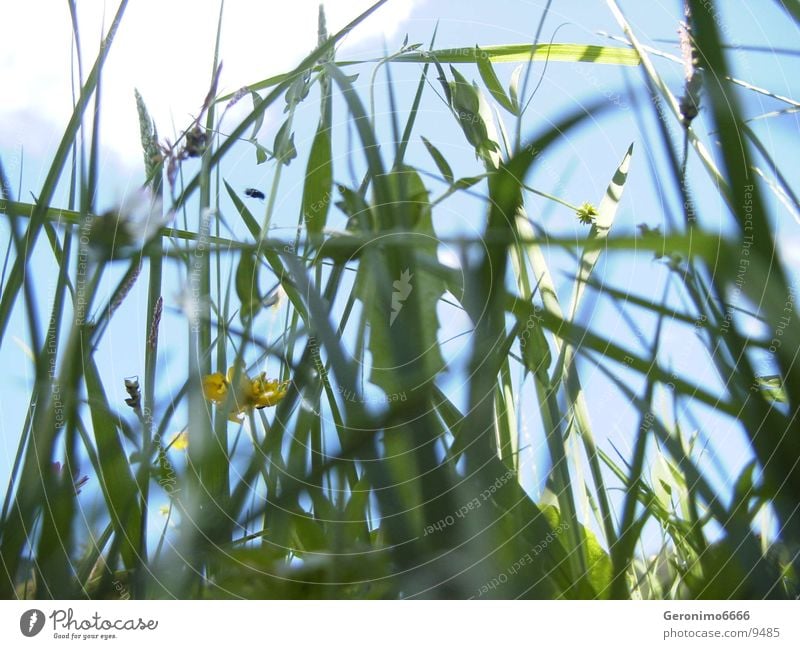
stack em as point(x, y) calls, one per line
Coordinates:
point(259, 392)
point(214, 387)
point(180, 442)
point(587, 213)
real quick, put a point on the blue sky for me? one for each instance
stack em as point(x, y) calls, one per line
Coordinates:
point(165, 50)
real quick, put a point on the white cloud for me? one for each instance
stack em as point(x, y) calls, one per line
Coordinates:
point(165, 49)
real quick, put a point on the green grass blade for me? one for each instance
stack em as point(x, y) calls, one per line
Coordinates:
point(11, 289)
point(318, 186)
point(563, 52)
point(440, 161)
point(493, 83)
point(308, 63)
point(116, 480)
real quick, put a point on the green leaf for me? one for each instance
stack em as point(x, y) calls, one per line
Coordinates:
point(356, 208)
point(116, 480)
point(388, 280)
point(355, 511)
point(745, 489)
point(466, 105)
point(262, 155)
point(519, 519)
point(468, 181)
point(257, 100)
point(283, 149)
point(317, 190)
point(492, 82)
point(599, 566)
point(309, 534)
point(535, 350)
point(247, 286)
point(474, 116)
point(513, 86)
point(298, 90)
point(439, 159)
point(244, 212)
point(661, 477)
point(771, 388)
point(412, 115)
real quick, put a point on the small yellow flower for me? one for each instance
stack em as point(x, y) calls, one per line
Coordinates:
point(267, 392)
point(180, 442)
point(259, 392)
point(214, 387)
point(587, 213)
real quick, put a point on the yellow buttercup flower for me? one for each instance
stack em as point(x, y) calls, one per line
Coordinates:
point(267, 392)
point(259, 392)
point(214, 387)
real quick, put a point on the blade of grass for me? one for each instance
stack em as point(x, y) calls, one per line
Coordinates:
point(523, 52)
point(45, 196)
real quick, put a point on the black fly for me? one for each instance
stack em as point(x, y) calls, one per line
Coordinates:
point(254, 193)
